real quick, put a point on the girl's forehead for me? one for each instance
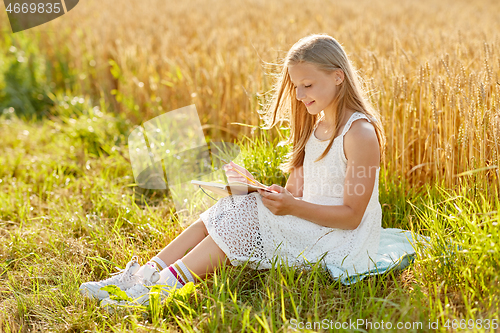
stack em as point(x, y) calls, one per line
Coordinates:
point(303, 71)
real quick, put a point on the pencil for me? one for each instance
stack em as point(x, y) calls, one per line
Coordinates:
point(255, 183)
point(273, 191)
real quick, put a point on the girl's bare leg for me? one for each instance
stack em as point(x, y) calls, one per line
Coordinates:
point(205, 257)
point(183, 243)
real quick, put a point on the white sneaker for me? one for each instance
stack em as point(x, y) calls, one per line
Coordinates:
point(123, 279)
point(139, 294)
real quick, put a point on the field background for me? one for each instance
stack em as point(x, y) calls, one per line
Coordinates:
point(73, 89)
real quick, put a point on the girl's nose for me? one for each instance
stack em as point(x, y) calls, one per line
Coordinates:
point(300, 94)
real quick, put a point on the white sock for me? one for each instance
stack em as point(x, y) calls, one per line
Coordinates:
point(176, 275)
point(160, 265)
point(185, 271)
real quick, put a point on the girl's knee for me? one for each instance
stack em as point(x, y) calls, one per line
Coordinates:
point(200, 224)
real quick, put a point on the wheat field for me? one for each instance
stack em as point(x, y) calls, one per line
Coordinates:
point(431, 68)
point(69, 212)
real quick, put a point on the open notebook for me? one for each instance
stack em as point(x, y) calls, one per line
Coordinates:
point(230, 188)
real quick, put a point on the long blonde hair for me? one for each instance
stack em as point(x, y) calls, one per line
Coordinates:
point(328, 55)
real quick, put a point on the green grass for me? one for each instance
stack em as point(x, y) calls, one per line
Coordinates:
point(68, 214)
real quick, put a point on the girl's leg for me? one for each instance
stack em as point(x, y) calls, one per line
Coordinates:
point(183, 243)
point(190, 238)
point(202, 260)
point(205, 258)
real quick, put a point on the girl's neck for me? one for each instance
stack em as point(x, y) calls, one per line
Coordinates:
point(329, 120)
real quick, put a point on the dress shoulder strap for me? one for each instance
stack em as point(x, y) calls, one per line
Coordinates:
point(355, 116)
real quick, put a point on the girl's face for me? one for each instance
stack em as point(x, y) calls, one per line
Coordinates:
point(315, 88)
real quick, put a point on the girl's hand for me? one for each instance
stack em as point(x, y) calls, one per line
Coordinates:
point(278, 203)
point(233, 176)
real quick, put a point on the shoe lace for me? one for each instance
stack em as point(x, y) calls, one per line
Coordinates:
point(148, 282)
point(140, 288)
point(137, 290)
point(123, 275)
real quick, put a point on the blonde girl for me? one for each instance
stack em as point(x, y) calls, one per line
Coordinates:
point(329, 209)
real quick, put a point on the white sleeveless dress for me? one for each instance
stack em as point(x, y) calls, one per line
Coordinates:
point(246, 230)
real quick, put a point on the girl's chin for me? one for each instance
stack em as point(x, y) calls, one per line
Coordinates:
point(313, 112)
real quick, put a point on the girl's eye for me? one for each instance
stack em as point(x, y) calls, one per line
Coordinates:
point(304, 86)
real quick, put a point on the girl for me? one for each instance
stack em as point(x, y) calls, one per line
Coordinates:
point(329, 209)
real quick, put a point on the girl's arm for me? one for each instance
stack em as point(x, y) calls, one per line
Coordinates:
point(363, 159)
point(295, 183)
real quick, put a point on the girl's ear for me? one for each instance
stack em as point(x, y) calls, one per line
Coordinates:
point(339, 76)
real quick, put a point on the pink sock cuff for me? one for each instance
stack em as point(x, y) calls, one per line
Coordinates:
point(174, 272)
